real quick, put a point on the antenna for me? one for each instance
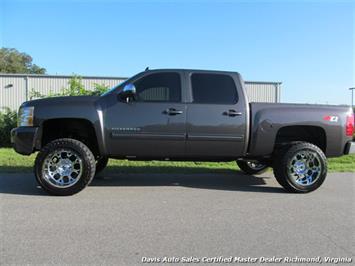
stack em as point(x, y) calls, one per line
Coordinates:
point(147, 68)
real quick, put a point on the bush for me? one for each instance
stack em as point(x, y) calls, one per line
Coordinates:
point(8, 121)
point(75, 88)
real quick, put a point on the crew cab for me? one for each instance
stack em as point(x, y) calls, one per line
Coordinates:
point(180, 114)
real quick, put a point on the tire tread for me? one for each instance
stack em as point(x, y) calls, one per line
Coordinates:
point(280, 164)
point(88, 172)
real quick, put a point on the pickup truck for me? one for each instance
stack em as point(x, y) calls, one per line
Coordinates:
point(174, 114)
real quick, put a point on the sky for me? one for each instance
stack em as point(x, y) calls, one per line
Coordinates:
point(309, 46)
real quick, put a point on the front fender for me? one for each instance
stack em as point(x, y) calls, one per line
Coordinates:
point(83, 110)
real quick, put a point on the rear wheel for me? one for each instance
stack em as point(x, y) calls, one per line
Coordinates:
point(64, 167)
point(301, 167)
point(252, 167)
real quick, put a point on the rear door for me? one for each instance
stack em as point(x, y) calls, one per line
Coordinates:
point(216, 116)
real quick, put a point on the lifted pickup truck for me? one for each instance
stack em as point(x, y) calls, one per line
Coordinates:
point(175, 114)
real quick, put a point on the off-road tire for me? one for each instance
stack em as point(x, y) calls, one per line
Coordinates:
point(246, 168)
point(281, 162)
point(88, 169)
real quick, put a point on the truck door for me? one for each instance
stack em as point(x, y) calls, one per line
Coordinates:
point(151, 125)
point(216, 117)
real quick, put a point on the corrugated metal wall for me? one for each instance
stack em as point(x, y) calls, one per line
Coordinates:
point(13, 90)
point(46, 85)
point(263, 91)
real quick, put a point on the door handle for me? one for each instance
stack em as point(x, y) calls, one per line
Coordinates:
point(232, 113)
point(172, 111)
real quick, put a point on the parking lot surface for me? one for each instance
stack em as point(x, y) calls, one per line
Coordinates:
point(120, 219)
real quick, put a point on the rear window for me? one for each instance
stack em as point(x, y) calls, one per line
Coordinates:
point(213, 88)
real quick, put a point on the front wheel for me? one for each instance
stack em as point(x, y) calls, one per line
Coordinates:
point(64, 167)
point(300, 168)
point(252, 167)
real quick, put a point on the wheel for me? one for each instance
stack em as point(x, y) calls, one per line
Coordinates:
point(101, 163)
point(251, 167)
point(64, 167)
point(301, 167)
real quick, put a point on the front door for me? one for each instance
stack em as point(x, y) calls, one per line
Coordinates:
point(153, 125)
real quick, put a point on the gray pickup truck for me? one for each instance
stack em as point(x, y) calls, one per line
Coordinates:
point(174, 114)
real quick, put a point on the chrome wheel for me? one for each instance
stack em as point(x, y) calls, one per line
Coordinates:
point(62, 168)
point(255, 165)
point(305, 168)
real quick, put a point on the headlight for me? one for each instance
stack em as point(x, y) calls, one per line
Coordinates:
point(25, 117)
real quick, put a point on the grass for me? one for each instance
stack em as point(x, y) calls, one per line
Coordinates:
point(11, 162)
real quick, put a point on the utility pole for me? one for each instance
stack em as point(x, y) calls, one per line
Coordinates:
point(352, 97)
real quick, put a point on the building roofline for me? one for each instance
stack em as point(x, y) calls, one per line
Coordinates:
point(263, 82)
point(104, 77)
point(57, 76)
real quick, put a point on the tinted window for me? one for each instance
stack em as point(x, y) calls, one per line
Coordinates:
point(160, 87)
point(213, 88)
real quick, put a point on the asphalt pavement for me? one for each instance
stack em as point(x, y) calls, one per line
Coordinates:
point(130, 218)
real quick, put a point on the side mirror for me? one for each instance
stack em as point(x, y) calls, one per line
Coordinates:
point(128, 92)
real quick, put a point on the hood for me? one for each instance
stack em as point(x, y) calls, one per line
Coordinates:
point(64, 101)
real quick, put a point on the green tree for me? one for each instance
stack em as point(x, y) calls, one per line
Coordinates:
point(13, 61)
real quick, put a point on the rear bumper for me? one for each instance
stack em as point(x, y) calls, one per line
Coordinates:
point(23, 139)
point(349, 147)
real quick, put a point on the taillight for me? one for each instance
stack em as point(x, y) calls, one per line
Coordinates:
point(349, 126)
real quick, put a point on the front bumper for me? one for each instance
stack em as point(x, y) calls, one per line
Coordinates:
point(23, 139)
point(349, 147)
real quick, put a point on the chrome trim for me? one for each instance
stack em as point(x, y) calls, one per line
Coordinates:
point(215, 137)
point(62, 168)
point(305, 168)
point(148, 136)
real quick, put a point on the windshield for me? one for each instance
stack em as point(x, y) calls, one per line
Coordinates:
point(120, 85)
